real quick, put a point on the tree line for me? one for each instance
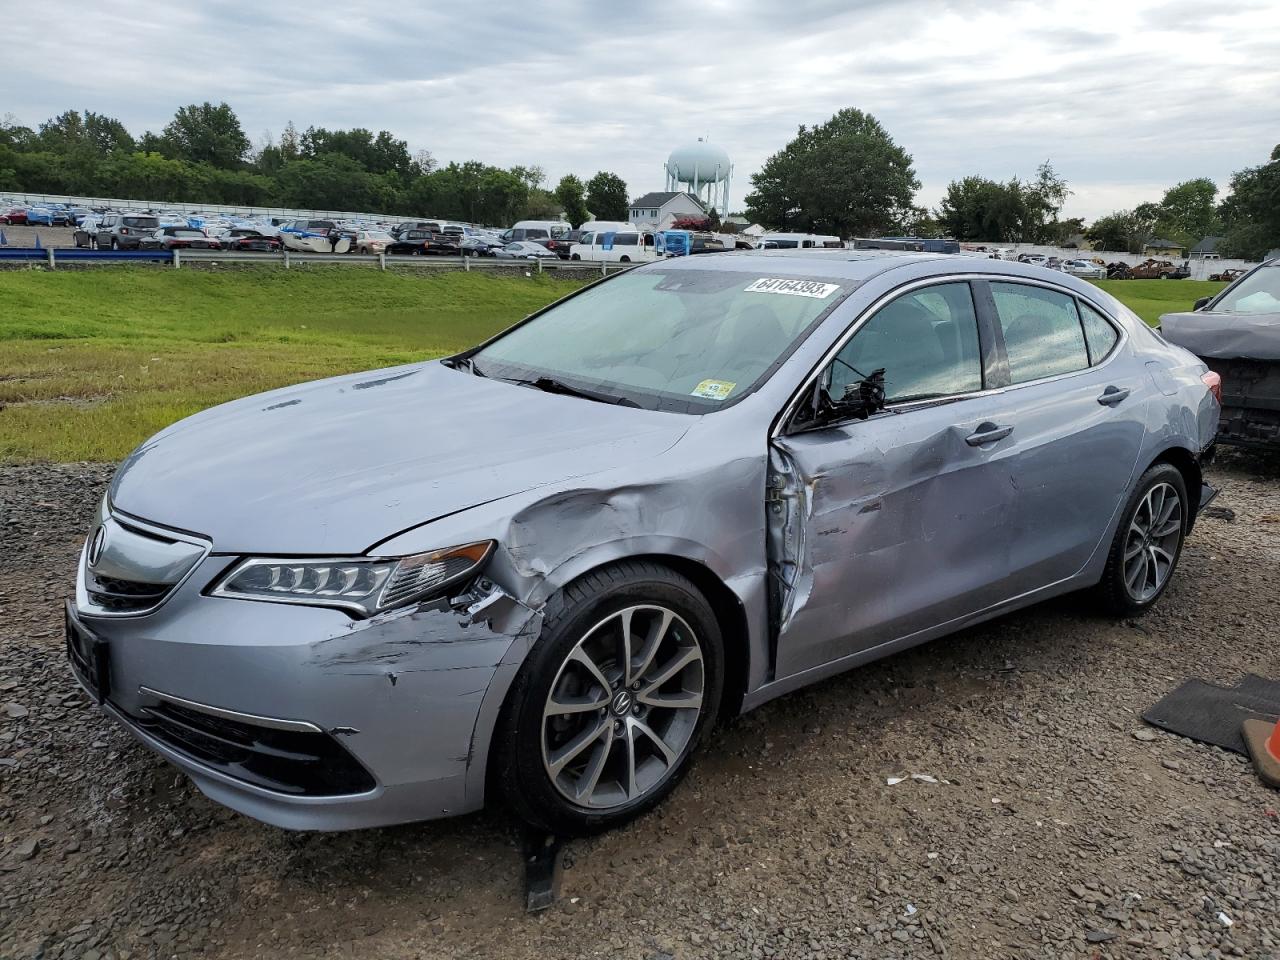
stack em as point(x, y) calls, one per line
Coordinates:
point(203, 156)
point(846, 176)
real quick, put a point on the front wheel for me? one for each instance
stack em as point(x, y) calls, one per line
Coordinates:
point(612, 701)
point(1147, 544)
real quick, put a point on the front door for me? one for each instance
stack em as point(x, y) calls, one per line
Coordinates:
point(882, 528)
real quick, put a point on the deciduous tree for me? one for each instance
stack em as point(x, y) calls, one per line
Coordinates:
point(846, 176)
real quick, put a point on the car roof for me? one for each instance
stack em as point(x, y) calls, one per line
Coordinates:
point(855, 267)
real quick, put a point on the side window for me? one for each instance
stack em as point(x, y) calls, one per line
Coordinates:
point(1042, 332)
point(1100, 335)
point(625, 240)
point(926, 342)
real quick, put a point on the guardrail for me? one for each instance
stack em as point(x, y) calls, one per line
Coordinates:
point(51, 257)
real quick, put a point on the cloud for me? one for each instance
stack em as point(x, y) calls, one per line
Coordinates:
point(1124, 99)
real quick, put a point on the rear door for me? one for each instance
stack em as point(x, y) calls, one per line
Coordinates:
point(885, 527)
point(1076, 400)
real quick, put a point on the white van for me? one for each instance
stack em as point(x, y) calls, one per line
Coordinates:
point(536, 230)
point(616, 246)
point(794, 241)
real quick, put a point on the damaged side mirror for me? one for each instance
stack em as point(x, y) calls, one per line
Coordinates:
point(859, 401)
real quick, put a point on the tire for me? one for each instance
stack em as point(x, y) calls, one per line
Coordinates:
point(637, 750)
point(1116, 590)
point(575, 257)
point(624, 259)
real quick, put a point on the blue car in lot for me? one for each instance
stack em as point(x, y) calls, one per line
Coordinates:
point(39, 216)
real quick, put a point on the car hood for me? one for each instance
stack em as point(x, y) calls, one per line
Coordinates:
point(1225, 336)
point(335, 466)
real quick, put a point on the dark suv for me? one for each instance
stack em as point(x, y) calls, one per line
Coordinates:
point(125, 231)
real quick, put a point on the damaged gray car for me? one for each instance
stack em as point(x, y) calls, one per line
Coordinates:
point(1237, 333)
point(538, 571)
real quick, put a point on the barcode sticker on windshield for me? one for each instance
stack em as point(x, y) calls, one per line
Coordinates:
point(793, 288)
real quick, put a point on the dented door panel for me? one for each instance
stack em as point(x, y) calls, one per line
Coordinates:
point(880, 529)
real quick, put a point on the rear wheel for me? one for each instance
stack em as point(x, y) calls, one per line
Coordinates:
point(624, 259)
point(1147, 544)
point(612, 701)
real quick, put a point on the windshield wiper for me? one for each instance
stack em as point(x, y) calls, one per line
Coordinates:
point(552, 385)
point(464, 363)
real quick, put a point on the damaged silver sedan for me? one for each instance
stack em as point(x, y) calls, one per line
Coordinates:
point(539, 570)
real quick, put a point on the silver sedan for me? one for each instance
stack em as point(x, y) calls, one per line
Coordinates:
point(540, 570)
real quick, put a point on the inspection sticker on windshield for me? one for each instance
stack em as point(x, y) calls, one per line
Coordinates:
point(714, 389)
point(793, 288)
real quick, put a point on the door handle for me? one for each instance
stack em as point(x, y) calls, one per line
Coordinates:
point(988, 433)
point(1113, 395)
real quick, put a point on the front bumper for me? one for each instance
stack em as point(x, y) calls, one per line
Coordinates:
point(397, 708)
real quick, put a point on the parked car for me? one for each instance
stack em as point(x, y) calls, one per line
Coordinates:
point(39, 216)
point(373, 241)
point(314, 236)
point(86, 232)
point(1118, 270)
point(179, 238)
point(1237, 333)
point(124, 231)
point(1228, 275)
point(14, 215)
point(430, 226)
point(525, 250)
point(539, 570)
point(1035, 259)
point(537, 230)
point(1084, 268)
point(248, 239)
point(424, 243)
point(479, 246)
point(1152, 269)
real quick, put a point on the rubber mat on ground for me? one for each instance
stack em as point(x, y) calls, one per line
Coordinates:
point(1213, 714)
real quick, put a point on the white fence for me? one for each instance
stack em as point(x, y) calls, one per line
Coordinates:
point(222, 209)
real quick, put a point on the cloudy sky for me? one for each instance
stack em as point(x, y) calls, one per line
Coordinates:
point(1126, 98)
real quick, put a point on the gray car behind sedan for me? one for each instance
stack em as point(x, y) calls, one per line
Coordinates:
point(541, 569)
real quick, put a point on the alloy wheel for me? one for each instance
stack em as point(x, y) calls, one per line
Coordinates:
point(1151, 545)
point(623, 707)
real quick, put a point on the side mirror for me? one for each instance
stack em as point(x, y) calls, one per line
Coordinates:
point(860, 400)
point(864, 397)
point(1201, 303)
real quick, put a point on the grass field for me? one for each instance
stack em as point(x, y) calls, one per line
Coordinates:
point(93, 362)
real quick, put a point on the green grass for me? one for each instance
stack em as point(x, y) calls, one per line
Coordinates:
point(1150, 298)
point(93, 362)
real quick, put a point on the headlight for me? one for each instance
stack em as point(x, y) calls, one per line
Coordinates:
point(363, 585)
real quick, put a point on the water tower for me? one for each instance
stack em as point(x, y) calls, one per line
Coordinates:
point(703, 170)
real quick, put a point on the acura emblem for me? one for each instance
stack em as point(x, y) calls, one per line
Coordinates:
point(95, 546)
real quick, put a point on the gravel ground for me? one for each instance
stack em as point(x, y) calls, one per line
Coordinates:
point(1060, 826)
point(20, 235)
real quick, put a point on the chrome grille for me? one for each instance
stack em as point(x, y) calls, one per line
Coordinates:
point(131, 567)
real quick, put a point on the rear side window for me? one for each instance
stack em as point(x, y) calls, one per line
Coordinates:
point(535, 234)
point(1042, 332)
point(141, 222)
point(626, 239)
point(1099, 335)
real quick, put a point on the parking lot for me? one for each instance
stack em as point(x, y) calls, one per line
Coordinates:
point(1052, 830)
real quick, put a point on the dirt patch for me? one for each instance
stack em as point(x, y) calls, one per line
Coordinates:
point(1053, 831)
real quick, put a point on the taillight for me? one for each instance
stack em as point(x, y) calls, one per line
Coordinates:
point(1214, 382)
point(124, 230)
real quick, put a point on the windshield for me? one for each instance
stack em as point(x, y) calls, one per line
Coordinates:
point(680, 340)
point(1259, 292)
